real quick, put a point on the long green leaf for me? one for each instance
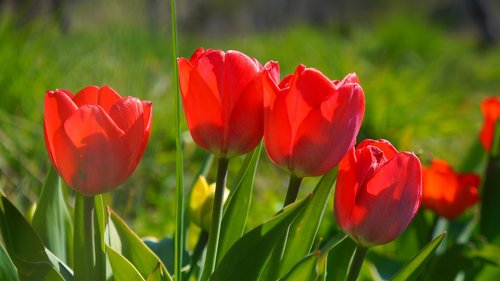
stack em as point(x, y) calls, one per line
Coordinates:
point(52, 220)
point(245, 259)
point(7, 269)
point(490, 212)
point(133, 248)
point(238, 204)
point(123, 270)
point(307, 269)
point(338, 259)
point(412, 269)
point(24, 246)
point(303, 231)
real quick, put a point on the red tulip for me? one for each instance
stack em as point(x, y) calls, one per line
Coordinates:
point(222, 99)
point(96, 138)
point(446, 192)
point(310, 121)
point(378, 192)
point(491, 112)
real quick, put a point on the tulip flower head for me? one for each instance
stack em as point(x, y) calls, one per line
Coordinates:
point(378, 192)
point(446, 192)
point(222, 99)
point(491, 112)
point(202, 202)
point(310, 121)
point(96, 138)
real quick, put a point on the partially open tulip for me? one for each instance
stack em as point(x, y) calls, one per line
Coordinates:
point(378, 192)
point(96, 138)
point(311, 121)
point(202, 202)
point(222, 99)
point(491, 113)
point(446, 192)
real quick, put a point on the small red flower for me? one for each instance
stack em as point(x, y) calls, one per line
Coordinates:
point(96, 138)
point(446, 192)
point(491, 112)
point(311, 121)
point(223, 101)
point(378, 192)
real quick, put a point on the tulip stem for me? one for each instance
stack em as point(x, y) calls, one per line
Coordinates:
point(198, 250)
point(215, 224)
point(87, 255)
point(356, 263)
point(293, 190)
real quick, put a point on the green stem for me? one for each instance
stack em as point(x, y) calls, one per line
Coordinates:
point(198, 250)
point(356, 263)
point(293, 190)
point(215, 224)
point(179, 179)
point(87, 255)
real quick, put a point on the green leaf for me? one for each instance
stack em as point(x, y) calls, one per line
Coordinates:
point(489, 253)
point(24, 246)
point(490, 197)
point(132, 247)
point(157, 274)
point(52, 220)
point(339, 258)
point(123, 270)
point(7, 269)
point(412, 269)
point(307, 269)
point(303, 231)
point(245, 259)
point(238, 204)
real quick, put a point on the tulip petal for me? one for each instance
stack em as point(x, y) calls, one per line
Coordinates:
point(277, 128)
point(387, 148)
point(95, 159)
point(202, 109)
point(339, 120)
point(88, 95)
point(390, 201)
point(345, 190)
point(57, 108)
point(128, 115)
point(210, 67)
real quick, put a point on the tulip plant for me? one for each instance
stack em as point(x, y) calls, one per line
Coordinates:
point(308, 125)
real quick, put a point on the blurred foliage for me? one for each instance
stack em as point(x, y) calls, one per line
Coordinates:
point(422, 85)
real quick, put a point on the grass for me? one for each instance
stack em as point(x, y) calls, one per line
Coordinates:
point(423, 87)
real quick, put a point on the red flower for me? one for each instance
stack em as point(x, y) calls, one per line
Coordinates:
point(222, 99)
point(311, 121)
point(491, 111)
point(95, 139)
point(378, 192)
point(446, 192)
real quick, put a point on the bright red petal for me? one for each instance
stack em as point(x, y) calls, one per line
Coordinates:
point(107, 97)
point(345, 191)
point(88, 95)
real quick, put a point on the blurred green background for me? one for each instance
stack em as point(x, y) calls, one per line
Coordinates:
point(424, 68)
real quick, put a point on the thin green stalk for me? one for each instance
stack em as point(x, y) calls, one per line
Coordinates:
point(215, 224)
point(293, 190)
point(198, 250)
point(179, 182)
point(87, 255)
point(356, 263)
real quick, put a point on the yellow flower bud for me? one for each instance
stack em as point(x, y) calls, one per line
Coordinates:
point(202, 201)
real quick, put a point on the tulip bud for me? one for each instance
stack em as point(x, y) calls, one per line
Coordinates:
point(223, 101)
point(491, 112)
point(378, 192)
point(202, 201)
point(310, 122)
point(446, 192)
point(96, 138)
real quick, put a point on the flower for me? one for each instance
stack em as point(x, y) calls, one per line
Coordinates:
point(378, 192)
point(222, 99)
point(310, 121)
point(490, 107)
point(202, 202)
point(96, 138)
point(446, 192)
